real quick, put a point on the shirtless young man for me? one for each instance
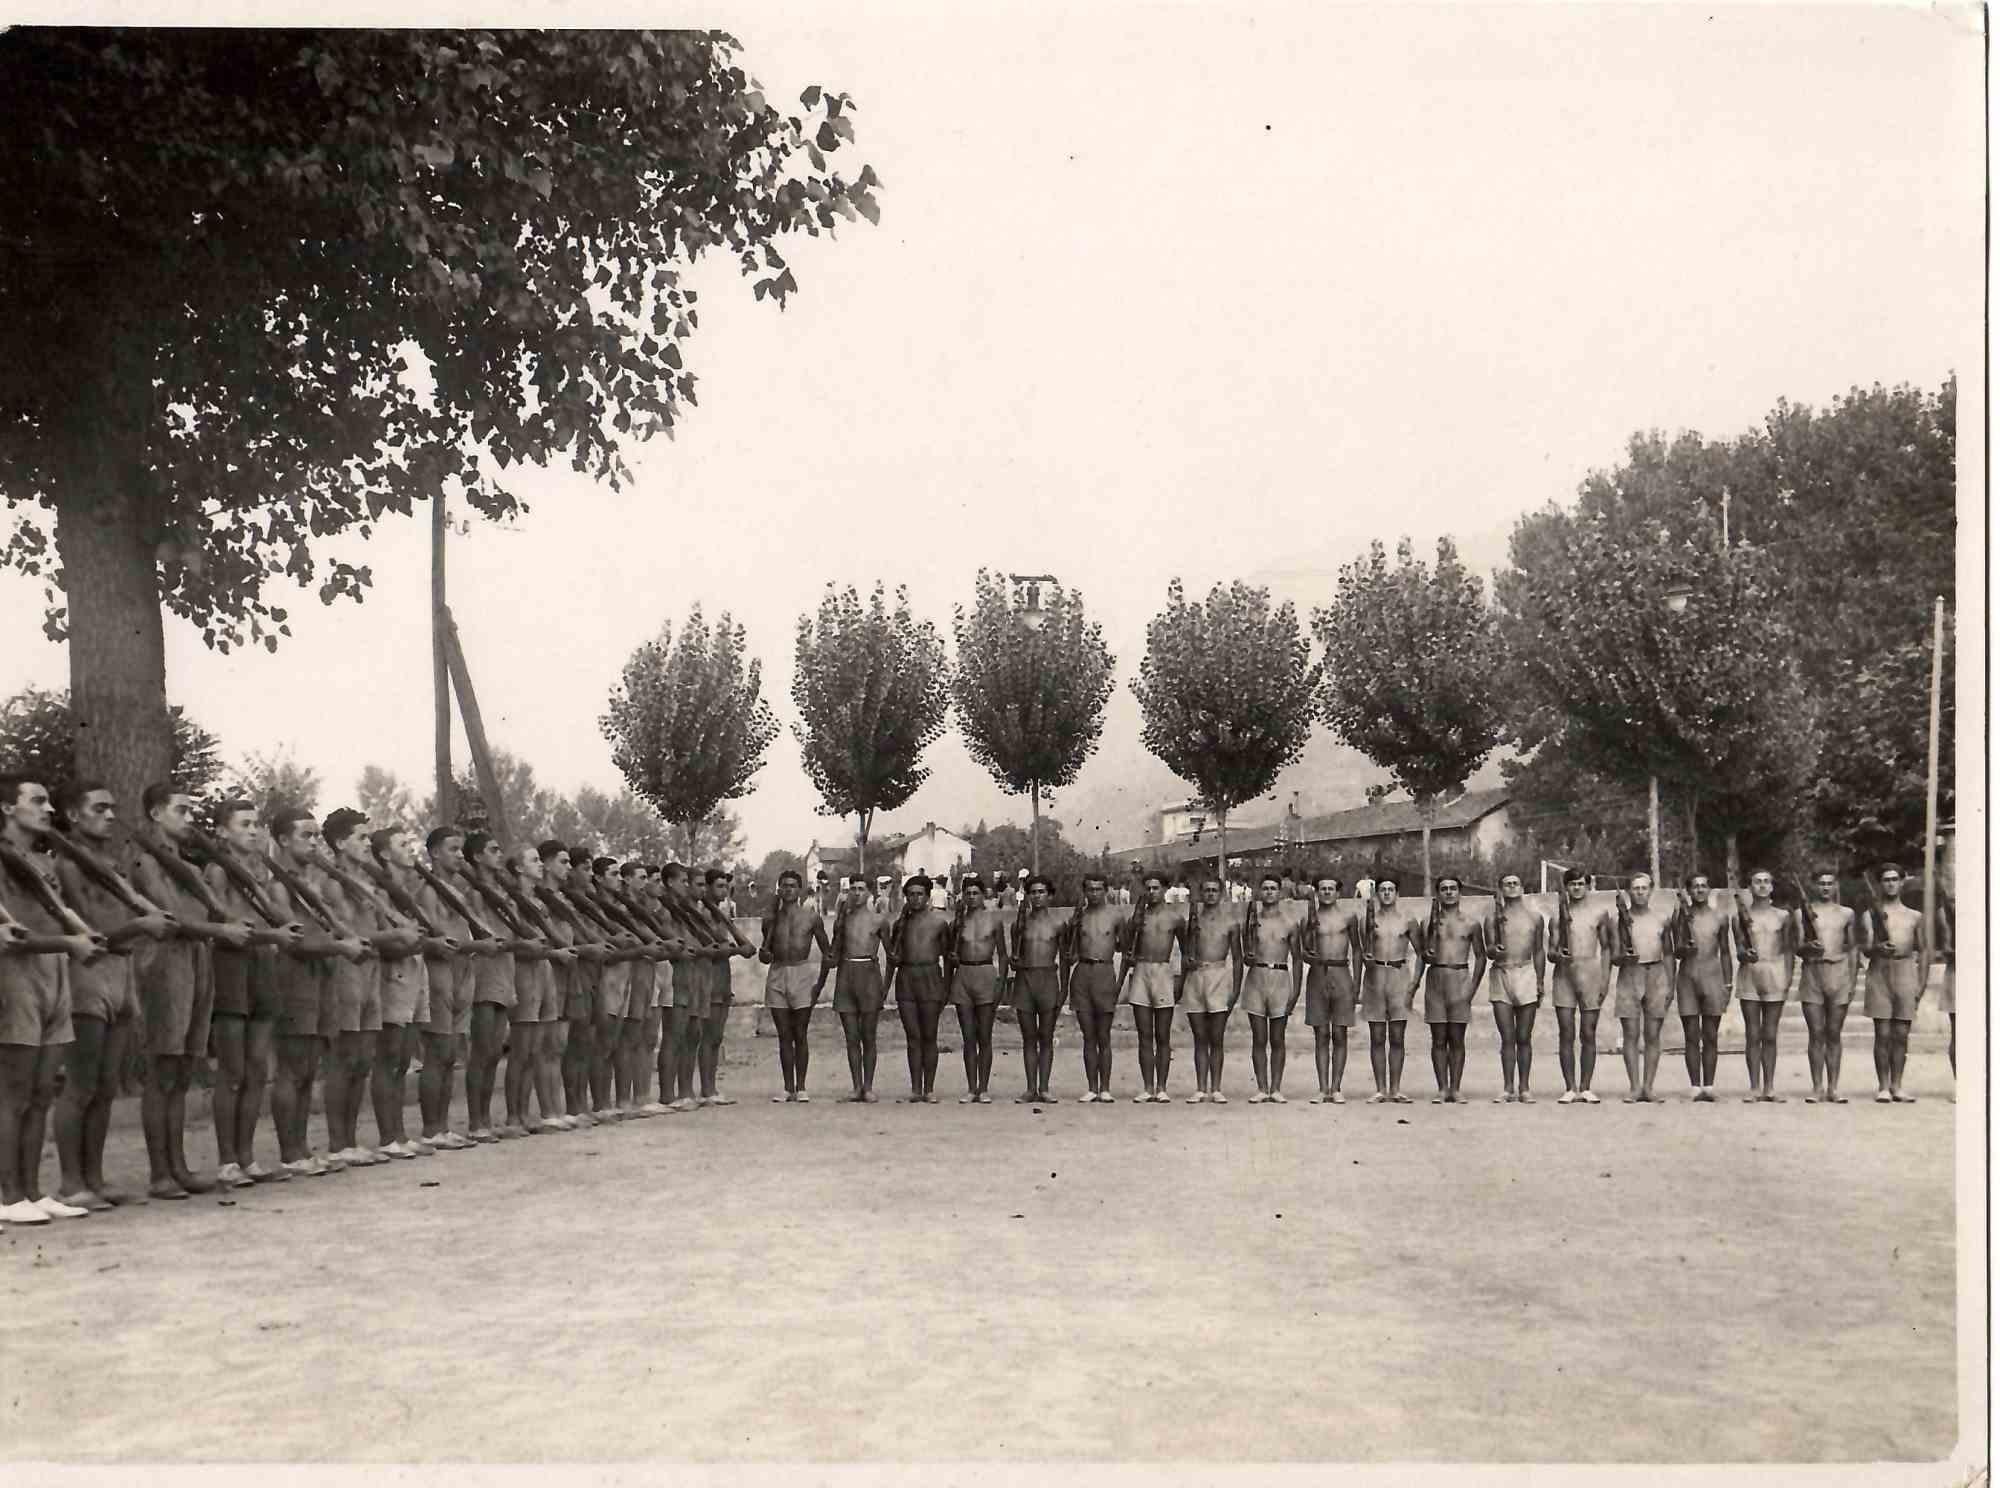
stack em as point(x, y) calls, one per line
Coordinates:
point(497, 974)
point(1211, 983)
point(1585, 937)
point(1897, 942)
point(858, 944)
point(453, 906)
point(305, 979)
point(407, 986)
point(1766, 982)
point(693, 983)
point(1273, 978)
point(1705, 944)
point(1092, 950)
point(243, 1025)
point(918, 943)
point(1645, 986)
point(716, 888)
point(1151, 990)
point(103, 1001)
point(1829, 945)
point(176, 986)
point(1035, 959)
point(35, 1021)
point(1517, 937)
point(378, 1001)
point(1454, 965)
point(1392, 962)
point(978, 967)
point(791, 930)
point(1328, 944)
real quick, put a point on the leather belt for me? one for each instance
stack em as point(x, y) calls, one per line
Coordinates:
point(1093, 960)
point(1893, 955)
point(987, 962)
point(1272, 965)
point(856, 960)
point(1373, 962)
point(1645, 963)
point(1192, 964)
point(1152, 961)
point(1447, 965)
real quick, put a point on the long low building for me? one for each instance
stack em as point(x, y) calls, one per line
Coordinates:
point(1476, 822)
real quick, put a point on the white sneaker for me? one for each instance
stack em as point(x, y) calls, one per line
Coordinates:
point(1278, 1098)
point(231, 1175)
point(24, 1213)
point(1143, 1098)
point(1088, 1098)
point(653, 1108)
point(803, 1098)
point(55, 1208)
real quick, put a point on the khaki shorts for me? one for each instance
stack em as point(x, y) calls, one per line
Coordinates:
point(1037, 988)
point(1893, 991)
point(663, 985)
point(1385, 993)
point(1644, 990)
point(857, 987)
point(975, 986)
point(1267, 991)
point(1704, 990)
point(246, 981)
point(1448, 995)
point(1581, 984)
point(1825, 984)
point(450, 980)
point(1093, 988)
point(1206, 989)
point(1151, 985)
point(1761, 981)
point(405, 991)
point(791, 987)
point(1513, 984)
point(494, 979)
point(1330, 997)
point(34, 1003)
point(357, 997)
point(177, 1008)
point(106, 991)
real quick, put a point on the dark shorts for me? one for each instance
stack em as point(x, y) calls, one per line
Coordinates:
point(493, 979)
point(1893, 991)
point(1037, 988)
point(1330, 997)
point(300, 991)
point(920, 984)
point(246, 982)
point(105, 990)
point(857, 988)
point(1093, 988)
point(176, 1002)
point(1703, 991)
point(1447, 995)
point(975, 986)
point(1644, 990)
point(451, 994)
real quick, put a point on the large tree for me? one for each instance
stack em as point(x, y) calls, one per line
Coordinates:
point(38, 738)
point(1228, 692)
point(1412, 670)
point(872, 687)
point(687, 722)
point(1030, 688)
point(387, 801)
point(273, 780)
point(262, 287)
point(714, 840)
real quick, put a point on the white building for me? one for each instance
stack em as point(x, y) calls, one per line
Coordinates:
point(934, 851)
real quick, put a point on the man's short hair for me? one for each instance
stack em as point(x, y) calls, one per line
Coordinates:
point(1575, 875)
point(716, 874)
point(1270, 878)
point(1826, 873)
point(10, 788)
point(1888, 868)
point(1452, 879)
point(476, 843)
point(1632, 879)
point(673, 871)
point(548, 849)
point(794, 875)
point(1095, 878)
point(1153, 876)
point(633, 869)
point(158, 794)
point(972, 881)
point(602, 865)
point(437, 837)
point(71, 795)
point(340, 824)
point(1043, 879)
point(380, 838)
point(917, 881)
point(223, 813)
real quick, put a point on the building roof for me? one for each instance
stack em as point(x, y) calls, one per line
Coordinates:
point(1358, 824)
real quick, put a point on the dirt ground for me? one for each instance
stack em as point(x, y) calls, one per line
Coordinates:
point(1476, 1283)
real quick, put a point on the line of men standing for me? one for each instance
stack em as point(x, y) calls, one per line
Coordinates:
point(298, 950)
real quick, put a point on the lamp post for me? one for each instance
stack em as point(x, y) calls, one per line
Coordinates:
point(1032, 617)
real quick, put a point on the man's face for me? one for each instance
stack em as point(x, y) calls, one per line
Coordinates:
point(1448, 892)
point(1038, 896)
point(1385, 893)
point(354, 847)
point(302, 843)
point(491, 857)
point(1094, 891)
point(528, 863)
point(401, 850)
point(1211, 892)
point(915, 897)
point(1327, 892)
point(1156, 891)
point(556, 869)
point(171, 815)
point(1642, 890)
point(240, 831)
point(1576, 890)
point(1825, 886)
point(1760, 886)
point(1510, 886)
point(857, 895)
point(1267, 891)
point(788, 891)
point(1892, 883)
point(975, 898)
point(96, 814)
point(717, 889)
point(1698, 888)
point(31, 811)
point(449, 855)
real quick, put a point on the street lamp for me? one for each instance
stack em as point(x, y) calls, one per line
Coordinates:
point(1028, 599)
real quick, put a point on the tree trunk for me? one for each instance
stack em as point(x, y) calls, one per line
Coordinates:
point(1035, 826)
point(861, 819)
point(1732, 864)
point(1222, 850)
point(447, 808)
point(1653, 829)
point(1694, 840)
point(106, 538)
point(1426, 809)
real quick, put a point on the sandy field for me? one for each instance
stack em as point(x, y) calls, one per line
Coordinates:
point(1482, 1283)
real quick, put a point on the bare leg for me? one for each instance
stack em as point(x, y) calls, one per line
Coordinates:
point(1774, 1016)
point(913, 1043)
point(968, 1045)
point(1899, 1053)
point(1524, 1046)
point(1691, 1048)
point(1339, 1056)
point(226, 1034)
point(927, 1027)
point(1440, 1071)
point(1711, 1046)
point(153, 1121)
point(1454, 1054)
point(1885, 1039)
point(712, 1029)
point(1323, 1058)
point(260, 1040)
point(1163, 1044)
point(781, 1020)
point(1653, 1026)
point(1396, 1032)
point(1378, 1056)
point(1587, 1046)
point(1218, 1030)
point(1277, 1032)
point(986, 1015)
point(1142, 1024)
point(84, 1074)
point(1633, 1055)
point(1815, 1015)
point(1260, 1059)
point(391, 1065)
point(1566, 1045)
point(1753, 1040)
point(1503, 1024)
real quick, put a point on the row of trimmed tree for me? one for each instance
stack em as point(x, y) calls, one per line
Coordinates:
point(1769, 678)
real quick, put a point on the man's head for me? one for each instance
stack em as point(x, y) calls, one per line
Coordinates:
point(1094, 888)
point(603, 869)
point(89, 808)
point(790, 886)
point(528, 864)
point(1826, 886)
point(1040, 891)
point(1640, 886)
point(1211, 891)
point(916, 892)
point(1510, 887)
point(555, 861)
point(1698, 888)
point(972, 889)
point(1327, 891)
point(236, 825)
point(715, 884)
point(1891, 878)
point(295, 833)
point(25, 805)
point(168, 809)
point(393, 846)
point(1761, 884)
point(1155, 886)
point(484, 849)
point(1448, 890)
point(674, 880)
point(1269, 888)
point(1385, 890)
point(342, 830)
point(446, 849)
point(1576, 883)
point(857, 892)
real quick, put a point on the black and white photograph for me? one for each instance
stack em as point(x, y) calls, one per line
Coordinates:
point(1214, 738)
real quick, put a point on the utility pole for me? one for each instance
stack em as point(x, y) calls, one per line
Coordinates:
point(1931, 792)
point(447, 808)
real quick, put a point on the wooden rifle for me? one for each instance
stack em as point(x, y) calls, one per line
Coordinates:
point(363, 892)
point(1745, 951)
point(184, 874)
point(210, 850)
point(304, 895)
point(46, 894)
point(401, 897)
point(1627, 951)
point(449, 897)
point(99, 870)
point(496, 897)
point(1563, 948)
point(1878, 917)
point(1809, 937)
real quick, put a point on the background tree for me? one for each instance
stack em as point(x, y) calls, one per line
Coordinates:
point(871, 686)
point(273, 780)
point(1000, 853)
point(527, 805)
point(1228, 694)
point(1412, 658)
point(714, 839)
point(1711, 700)
point(777, 861)
point(1030, 699)
point(233, 255)
point(688, 723)
point(387, 801)
point(621, 826)
point(38, 738)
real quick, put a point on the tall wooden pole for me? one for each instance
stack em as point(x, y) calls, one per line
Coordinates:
point(1931, 793)
point(1653, 826)
point(475, 735)
point(447, 808)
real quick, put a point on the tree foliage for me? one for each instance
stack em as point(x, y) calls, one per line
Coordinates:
point(1412, 667)
point(872, 687)
point(1227, 691)
point(262, 287)
point(999, 853)
point(386, 800)
point(714, 840)
point(1030, 702)
point(273, 780)
point(688, 723)
point(38, 739)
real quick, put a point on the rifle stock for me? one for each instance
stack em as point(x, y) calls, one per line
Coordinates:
point(101, 872)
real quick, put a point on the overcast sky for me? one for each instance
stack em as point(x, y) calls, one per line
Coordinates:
point(1217, 292)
